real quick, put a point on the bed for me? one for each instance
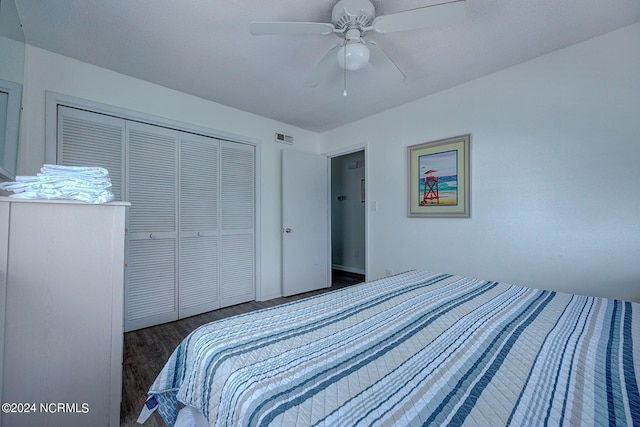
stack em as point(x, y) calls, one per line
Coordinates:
point(418, 348)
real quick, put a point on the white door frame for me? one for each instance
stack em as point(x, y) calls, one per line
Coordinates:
point(337, 153)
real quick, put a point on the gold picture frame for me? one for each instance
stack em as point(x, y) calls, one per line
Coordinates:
point(439, 178)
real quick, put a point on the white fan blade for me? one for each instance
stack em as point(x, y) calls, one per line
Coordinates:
point(429, 16)
point(383, 64)
point(290, 28)
point(324, 67)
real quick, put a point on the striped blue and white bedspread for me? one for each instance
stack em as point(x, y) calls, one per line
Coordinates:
point(415, 349)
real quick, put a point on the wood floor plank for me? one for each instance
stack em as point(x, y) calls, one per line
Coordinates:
point(147, 350)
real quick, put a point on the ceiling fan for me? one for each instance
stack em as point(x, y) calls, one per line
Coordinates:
point(352, 20)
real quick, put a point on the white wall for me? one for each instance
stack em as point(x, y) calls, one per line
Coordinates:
point(555, 173)
point(45, 71)
point(11, 60)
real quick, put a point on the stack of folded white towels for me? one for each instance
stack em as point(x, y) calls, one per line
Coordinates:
point(86, 184)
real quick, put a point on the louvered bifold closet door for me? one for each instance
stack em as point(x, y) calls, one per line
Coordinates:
point(199, 212)
point(92, 139)
point(237, 189)
point(151, 293)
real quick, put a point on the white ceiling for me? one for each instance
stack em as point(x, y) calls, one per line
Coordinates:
point(204, 48)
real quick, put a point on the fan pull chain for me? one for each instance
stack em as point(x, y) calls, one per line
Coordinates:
point(344, 92)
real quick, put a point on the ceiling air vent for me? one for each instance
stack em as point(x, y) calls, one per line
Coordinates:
point(285, 139)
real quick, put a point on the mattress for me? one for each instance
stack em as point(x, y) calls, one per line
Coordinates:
point(419, 348)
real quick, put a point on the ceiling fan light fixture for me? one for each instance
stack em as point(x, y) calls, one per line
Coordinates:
point(353, 56)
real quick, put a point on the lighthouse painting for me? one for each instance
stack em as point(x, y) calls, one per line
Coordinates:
point(438, 178)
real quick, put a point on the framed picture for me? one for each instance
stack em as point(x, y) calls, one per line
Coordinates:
point(439, 178)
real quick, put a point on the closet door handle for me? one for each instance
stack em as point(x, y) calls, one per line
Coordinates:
point(152, 236)
point(200, 234)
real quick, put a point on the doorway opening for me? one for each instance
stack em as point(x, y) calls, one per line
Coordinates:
point(348, 218)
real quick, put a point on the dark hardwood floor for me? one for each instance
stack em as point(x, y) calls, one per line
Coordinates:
point(146, 350)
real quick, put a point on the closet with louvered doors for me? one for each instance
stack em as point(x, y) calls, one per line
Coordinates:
point(191, 225)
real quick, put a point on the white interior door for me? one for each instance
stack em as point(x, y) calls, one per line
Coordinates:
point(151, 288)
point(305, 218)
point(237, 218)
point(198, 272)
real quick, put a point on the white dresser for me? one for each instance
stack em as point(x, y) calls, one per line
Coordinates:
point(62, 296)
